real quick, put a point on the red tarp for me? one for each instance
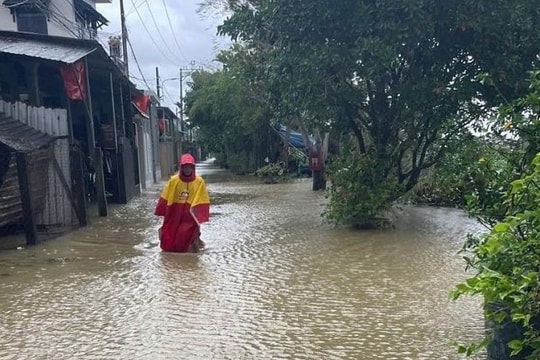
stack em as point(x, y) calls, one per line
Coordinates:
point(74, 80)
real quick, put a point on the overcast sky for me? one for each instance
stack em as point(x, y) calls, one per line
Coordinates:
point(168, 34)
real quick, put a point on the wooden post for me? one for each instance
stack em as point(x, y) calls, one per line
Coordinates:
point(35, 84)
point(120, 170)
point(78, 184)
point(91, 136)
point(70, 120)
point(113, 112)
point(100, 183)
point(98, 162)
point(26, 198)
point(122, 192)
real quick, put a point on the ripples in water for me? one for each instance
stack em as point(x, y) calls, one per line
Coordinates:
point(274, 283)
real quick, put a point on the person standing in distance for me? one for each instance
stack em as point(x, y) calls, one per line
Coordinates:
point(184, 205)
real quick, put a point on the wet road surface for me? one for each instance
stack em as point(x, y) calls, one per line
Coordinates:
point(275, 282)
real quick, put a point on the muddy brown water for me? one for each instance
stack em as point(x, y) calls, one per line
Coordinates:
point(275, 282)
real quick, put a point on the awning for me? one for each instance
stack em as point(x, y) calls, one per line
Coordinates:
point(14, 3)
point(89, 13)
point(140, 103)
point(21, 137)
point(66, 53)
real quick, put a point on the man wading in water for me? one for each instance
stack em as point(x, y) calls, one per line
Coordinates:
point(184, 205)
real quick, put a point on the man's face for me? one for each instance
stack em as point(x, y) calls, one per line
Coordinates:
point(187, 169)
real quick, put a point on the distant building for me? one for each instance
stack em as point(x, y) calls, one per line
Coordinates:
point(77, 19)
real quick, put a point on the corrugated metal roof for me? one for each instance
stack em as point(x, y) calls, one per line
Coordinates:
point(66, 53)
point(21, 2)
point(21, 137)
point(87, 8)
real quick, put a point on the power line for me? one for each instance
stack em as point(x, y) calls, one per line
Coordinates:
point(149, 34)
point(168, 95)
point(55, 16)
point(137, 63)
point(141, 79)
point(133, 6)
point(17, 4)
point(157, 28)
point(172, 30)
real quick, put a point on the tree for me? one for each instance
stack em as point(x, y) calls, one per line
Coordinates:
point(399, 77)
point(229, 115)
point(507, 258)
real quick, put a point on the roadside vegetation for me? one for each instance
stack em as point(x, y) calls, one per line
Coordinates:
point(425, 101)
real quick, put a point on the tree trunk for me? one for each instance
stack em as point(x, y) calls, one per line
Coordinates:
point(503, 333)
point(319, 180)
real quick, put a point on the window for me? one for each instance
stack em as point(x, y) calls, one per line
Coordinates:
point(31, 21)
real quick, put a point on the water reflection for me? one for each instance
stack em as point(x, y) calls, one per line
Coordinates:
point(274, 283)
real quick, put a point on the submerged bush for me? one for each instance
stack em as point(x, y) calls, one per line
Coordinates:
point(359, 192)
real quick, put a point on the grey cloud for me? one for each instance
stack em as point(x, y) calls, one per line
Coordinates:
point(195, 34)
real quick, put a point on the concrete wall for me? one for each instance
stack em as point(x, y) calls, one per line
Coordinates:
point(61, 20)
point(7, 22)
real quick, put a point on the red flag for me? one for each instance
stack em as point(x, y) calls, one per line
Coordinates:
point(141, 104)
point(74, 80)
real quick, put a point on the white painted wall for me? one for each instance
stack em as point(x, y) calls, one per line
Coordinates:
point(6, 20)
point(148, 156)
point(62, 19)
point(61, 22)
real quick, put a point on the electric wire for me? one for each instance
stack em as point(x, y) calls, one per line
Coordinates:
point(157, 28)
point(137, 63)
point(172, 30)
point(70, 25)
point(132, 8)
point(17, 4)
point(56, 17)
point(167, 95)
point(150, 35)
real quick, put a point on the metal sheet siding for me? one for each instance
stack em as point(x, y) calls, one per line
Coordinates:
point(20, 137)
point(55, 52)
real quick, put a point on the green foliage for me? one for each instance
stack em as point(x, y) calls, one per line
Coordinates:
point(229, 114)
point(471, 349)
point(521, 119)
point(238, 163)
point(517, 129)
point(474, 173)
point(447, 183)
point(507, 260)
point(271, 170)
point(488, 183)
point(359, 191)
point(400, 76)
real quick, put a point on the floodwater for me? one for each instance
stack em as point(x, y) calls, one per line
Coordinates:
point(275, 282)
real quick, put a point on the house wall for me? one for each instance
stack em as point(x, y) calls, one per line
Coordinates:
point(145, 153)
point(166, 166)
point(7, 22)
point(58, 210)
point(150, 172)
point(154, 133)
point(61, 20)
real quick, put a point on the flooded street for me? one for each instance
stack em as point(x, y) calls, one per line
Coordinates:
point(273, 283)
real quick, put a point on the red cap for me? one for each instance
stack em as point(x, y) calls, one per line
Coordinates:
point(187, 159)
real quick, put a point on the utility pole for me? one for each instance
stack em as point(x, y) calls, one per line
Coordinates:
point(181, 99)
point(188, 70)
point(157, 84)
point(124, 38)
point(181, 104)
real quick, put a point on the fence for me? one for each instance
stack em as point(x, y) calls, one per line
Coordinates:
point(58, 211)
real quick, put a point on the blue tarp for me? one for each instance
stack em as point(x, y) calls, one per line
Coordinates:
point(295, 138)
